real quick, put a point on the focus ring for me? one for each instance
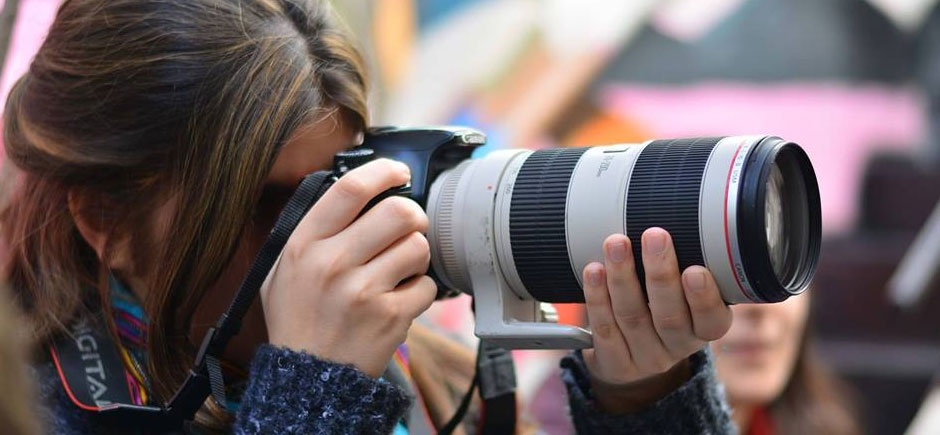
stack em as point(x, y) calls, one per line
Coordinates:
point(537, 225)
point(665, 190)
point(444, 230)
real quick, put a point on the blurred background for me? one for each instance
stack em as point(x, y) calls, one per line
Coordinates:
point(855, 82)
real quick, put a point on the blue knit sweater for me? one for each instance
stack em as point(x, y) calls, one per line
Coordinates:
point(292, 392)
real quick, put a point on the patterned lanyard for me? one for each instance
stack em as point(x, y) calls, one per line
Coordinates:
point(131, 325)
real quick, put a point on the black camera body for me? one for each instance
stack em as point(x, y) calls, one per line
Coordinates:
point(427, 151)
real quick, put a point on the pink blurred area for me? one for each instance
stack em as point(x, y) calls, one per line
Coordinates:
point(33, 20)
point(839, 125)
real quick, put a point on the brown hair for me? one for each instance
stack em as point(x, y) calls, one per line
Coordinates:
point(132, 103)
point(814, 399)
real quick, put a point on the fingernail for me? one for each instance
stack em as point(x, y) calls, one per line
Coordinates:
point(655, 242)
point(695, 280)
point(404, 169)
point(617, 252)
point(594, 277)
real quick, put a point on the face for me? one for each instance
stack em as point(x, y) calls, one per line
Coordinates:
point(756, 357)
point(310, 149)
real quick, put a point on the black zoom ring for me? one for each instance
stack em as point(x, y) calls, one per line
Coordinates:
point(537, 225)
point(664, 192)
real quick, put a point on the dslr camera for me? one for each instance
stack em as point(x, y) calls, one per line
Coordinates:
point(515, 228)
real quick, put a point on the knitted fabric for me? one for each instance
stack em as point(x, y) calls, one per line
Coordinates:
point(298, 393)
point(292, 392)
point(697, 407)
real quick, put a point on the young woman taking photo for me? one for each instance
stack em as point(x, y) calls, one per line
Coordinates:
point(150, 148)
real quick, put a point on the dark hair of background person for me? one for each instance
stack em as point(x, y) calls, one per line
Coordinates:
point(131, 104)
point(814, 400)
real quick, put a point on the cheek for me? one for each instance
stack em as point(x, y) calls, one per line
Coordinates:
point(760, 377)
point(753, 384)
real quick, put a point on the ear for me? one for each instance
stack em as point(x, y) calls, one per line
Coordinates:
point(91, 229)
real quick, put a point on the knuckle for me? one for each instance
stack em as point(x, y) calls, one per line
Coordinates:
point(352, 187)
point(419, 243)
point(405, 211)
point(633, 321)
point(361, 297)
point(395, 172)
point(671, 322)
point(394, 311)
point(604, 330)
point(333, 265)
point(617, 281)
point(658, 277)
point(292, 252)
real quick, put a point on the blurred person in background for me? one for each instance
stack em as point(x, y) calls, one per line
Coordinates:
point(773, 381)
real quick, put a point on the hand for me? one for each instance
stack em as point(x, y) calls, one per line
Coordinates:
point(641, 349)
point(348, 289)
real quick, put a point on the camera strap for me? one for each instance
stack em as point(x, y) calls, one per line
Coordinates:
point(94, 377)
point(89, 364)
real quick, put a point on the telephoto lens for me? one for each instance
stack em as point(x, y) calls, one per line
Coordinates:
point(746, 207)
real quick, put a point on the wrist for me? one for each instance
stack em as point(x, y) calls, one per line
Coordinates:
point(636, 396)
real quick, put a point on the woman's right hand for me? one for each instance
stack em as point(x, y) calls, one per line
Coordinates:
point(347, 289)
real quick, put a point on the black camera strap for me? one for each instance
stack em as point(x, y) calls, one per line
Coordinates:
point(309, 192)
point(90, 366)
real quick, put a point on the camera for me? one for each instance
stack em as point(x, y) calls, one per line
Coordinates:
point(515, 228)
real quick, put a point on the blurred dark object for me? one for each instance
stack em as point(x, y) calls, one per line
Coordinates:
point(899, 192)
point(773, 40)
point(927, 72)
point(887, 353)
point(7, 19)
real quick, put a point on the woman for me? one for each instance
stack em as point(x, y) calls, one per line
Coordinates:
point(154, 142)
point(773, 382)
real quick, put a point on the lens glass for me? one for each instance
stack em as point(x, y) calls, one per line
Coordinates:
point(777, 222)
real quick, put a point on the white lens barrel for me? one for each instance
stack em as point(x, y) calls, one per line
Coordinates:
point(546, 213)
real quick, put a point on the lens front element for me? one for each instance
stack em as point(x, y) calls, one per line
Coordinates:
point(776, 220)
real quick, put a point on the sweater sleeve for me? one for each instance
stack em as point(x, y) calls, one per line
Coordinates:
point(294, 392)
point(698, 406)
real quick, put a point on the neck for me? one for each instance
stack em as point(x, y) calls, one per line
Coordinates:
point(742, 416)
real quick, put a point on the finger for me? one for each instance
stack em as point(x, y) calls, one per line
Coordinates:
point(414, 296)
point(407, 257)
point(609, 344)
point(344, 201)
point(667, 303)
point(711, 317)
point(387, 222)
point(631, 311)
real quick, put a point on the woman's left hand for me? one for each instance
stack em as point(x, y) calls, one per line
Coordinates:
point(641, 348)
